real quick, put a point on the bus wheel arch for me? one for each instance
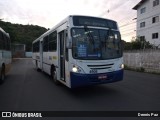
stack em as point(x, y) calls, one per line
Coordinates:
point(54, 73)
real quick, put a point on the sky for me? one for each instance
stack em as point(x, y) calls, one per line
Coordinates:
point(47, 13)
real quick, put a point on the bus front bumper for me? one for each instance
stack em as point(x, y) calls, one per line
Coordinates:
point(78, 80)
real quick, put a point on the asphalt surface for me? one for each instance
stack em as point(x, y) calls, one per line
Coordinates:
point(25, 89)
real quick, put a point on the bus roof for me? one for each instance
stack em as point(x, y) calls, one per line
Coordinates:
point(4, 32)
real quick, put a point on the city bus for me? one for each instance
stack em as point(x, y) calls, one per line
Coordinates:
point(81, 51)
point(5, 54)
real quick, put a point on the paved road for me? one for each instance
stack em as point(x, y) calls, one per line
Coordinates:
point(28, 90)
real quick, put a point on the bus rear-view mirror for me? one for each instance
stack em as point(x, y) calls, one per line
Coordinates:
point(69, 43)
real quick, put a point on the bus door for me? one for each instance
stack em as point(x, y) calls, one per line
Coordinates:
point(41, 55)
point(62, 55)
point(63, 59)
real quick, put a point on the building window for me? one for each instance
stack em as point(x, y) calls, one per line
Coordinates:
point(155, 36)
point(155, 19)
point(142, 24)
point(143, 10)
point(155, 3)
point(142, 38)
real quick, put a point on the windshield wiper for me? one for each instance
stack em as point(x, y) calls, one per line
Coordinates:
point(91, 38)
point(111, 34)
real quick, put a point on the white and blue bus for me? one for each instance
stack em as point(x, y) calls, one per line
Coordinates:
point(80, 51)
point(5, 54)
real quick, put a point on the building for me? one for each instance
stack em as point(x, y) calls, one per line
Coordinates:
point(148, 21)
point(18, 50)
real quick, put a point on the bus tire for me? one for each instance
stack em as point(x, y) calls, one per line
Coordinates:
point(54, 75)
point(2, 77)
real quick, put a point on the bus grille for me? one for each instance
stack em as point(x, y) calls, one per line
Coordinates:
point(104, 66)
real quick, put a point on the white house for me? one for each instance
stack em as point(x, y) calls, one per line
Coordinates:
point(148, 21)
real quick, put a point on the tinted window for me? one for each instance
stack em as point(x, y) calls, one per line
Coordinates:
point(45, 44)
point(7, 43)
point(4, 41)
point(53, 41)
point(36, 46)
point(1, 40)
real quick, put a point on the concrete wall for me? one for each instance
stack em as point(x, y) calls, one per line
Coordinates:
point(148, 59)
point(28, 54)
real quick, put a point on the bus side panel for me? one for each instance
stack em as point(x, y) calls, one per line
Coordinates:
point(45, 64)
point(7, 56)
point(1, 61)
point(36, 59)
point(52, 60)
point(6, 59)
point(0, 58)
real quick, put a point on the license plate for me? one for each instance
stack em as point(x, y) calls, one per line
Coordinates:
point(102, 77)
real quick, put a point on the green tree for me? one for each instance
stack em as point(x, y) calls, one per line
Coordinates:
point(22, 34)
point(137, 44)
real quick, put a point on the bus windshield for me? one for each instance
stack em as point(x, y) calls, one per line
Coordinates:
point(96, 44)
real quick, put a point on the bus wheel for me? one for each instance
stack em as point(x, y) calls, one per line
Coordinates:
point(2, 77)
point(54, 76)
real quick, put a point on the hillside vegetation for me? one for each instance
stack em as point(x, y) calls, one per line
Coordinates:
point(22, 34)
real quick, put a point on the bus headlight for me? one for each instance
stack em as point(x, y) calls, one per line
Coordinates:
point(77, 69)
point(74, 69)
point(122, 66)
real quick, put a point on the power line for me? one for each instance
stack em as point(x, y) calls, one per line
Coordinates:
point(126, 24)
point(116, 7)
point(129, 27)
point(139, 20)
point(112, 9)
point(128, 34)
point(128, 18)
point(123, 31)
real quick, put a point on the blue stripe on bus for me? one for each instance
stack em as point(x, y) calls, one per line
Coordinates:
point(78, 80)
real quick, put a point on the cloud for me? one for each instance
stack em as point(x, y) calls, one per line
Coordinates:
point(48, 13)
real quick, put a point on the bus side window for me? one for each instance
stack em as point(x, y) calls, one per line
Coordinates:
point(66, 49)
point(45, 44)
point(8, 43)
point(4, 42)
point(33, 47)
point(36, 46)
point(53, 41)
point(1, 40)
